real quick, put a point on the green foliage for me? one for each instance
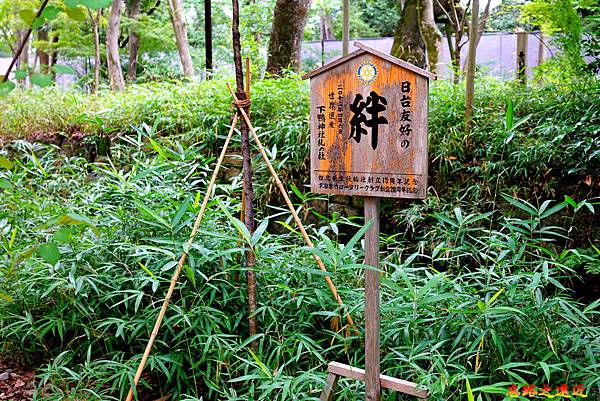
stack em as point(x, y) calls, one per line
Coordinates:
point(569, 21)
point(473, 297)
point(505, 16)
point(551, 124)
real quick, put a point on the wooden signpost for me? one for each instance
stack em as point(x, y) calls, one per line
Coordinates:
point(368, 138)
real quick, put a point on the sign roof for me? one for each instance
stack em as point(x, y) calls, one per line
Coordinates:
point(362, 48)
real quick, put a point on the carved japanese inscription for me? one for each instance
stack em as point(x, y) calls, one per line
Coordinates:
point(369, 129)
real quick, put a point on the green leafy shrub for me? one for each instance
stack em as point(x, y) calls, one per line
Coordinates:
point(469, 295)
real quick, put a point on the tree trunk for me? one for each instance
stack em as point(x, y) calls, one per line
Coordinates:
point(23, 57)
point(471, 58)
point(326, 32)
point(287, 34)
point(408, 41)
point(247, 167)
point(115, 75)
point(431, 34)
point(454, 57)
point(97, 62)
point(23, 40)
point(53, 52)
point(181, 39)
point(133, 13)
point(43, 56)
point(483, 21)
point(208, 37)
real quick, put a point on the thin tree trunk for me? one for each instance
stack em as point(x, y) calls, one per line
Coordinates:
point(326, 32)
point(208, 37)
point(454, 61)
point(471, 58)
point(431, 34)
point(22, 44)
point(247, 166)
point(483, 21)
point(133, 13)
point(408, 41)
point(346, 28)
point(115, 75)
point(97, 62)
point(456, 22)
point(53, 52)
point(181, 39)
point(287, 34)
point(23, 58)
point(43, 56)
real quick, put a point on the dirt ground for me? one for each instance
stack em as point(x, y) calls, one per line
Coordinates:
point(16, 384)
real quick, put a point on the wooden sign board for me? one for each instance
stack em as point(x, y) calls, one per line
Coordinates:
point(368, 126)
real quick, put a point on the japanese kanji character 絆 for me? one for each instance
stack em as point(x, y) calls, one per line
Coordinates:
point(374, 105)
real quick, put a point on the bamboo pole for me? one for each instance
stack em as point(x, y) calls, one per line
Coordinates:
point(309, 242)
point(175, 277)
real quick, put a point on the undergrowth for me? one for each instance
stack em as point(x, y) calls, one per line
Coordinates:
point(88, 250)
point(541, 141)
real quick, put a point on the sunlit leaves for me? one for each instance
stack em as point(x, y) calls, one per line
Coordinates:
point(20, 74)
point(49, 252)
point(63, 69)
point(6, 163)
point(41, 80)
point(27, 16)
point(76, 13)
point(95, 4)
point(6, 88)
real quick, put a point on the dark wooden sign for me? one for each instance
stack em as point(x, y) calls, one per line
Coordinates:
point(368, 122)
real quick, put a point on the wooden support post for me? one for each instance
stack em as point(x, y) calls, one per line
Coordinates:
point(329, 390)
point(522, 57)
point(373, 388)
point(288, 202)
point(541, 49)
point(388, 382)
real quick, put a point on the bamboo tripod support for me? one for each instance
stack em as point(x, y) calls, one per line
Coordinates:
point(190, 241)
point(309, 242)
point(182, 260)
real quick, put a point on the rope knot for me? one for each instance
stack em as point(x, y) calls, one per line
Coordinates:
point(244, 103)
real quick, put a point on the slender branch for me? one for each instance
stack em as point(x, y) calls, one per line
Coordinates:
point(24, 42)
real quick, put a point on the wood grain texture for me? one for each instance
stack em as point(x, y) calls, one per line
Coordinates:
point(372, 316)
point(522, 48)
point(387, 382)
point(341, 164)
point(329, 390)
